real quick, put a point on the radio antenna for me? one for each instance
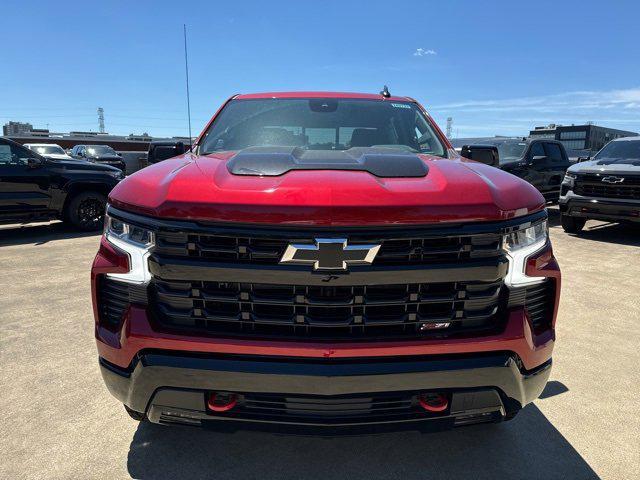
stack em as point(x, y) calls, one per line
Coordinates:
point(186, 70)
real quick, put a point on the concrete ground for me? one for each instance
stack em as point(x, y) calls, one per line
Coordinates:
point(58, 421)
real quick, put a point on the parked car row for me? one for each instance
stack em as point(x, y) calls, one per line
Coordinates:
point(606, 187)
point(38, 186)
point(103, 154)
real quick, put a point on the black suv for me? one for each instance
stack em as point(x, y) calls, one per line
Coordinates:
point(99, 154)
point(34, 188)
point(542, 163)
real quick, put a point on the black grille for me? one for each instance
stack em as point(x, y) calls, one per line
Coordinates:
point(114, 297)
point(591, 185)
point(113, 300)
point(348, 312)
point(435, 281)
point(342, 409)
point(539, 300)
point(261, 249)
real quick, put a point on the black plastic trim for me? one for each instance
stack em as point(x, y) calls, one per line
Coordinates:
point(275, 161)
point(197, 270)
point(154, 371)
point(601, 209)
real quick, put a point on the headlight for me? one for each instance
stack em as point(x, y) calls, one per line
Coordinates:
point(117, 175)
point(569, 179)
point(134, 240)
point(527, 236)
point(519, 246)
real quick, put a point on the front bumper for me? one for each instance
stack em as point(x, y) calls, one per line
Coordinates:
point(172, 388)
point(600, 208)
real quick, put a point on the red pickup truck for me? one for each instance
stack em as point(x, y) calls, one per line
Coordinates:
point(325, 260)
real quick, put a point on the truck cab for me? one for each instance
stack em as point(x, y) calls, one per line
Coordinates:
point(541, 162)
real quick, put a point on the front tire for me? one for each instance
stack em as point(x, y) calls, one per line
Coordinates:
point(85, 211)
point(572, 224)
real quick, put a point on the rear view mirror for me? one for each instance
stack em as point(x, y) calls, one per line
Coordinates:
point(487, 154)
point(159, 151)
point(538, 159)
point(583, 159)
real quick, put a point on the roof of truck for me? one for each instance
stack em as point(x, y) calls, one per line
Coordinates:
point(365, 96)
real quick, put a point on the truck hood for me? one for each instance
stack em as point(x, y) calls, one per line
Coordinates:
point(607, 165)
point(81, 165)
point(57, 156)
point(202, 188)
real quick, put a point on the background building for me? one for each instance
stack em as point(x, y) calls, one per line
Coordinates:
point(580, 137)
point(16, 128)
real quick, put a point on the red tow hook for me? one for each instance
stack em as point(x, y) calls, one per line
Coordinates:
point(433, 402)
point(221, 401)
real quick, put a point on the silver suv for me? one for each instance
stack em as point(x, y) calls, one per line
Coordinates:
point(606, 187)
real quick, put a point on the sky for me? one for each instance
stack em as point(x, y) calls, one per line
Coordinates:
point(496, 68)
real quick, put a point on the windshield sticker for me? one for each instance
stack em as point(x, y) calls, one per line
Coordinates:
point(400, 105)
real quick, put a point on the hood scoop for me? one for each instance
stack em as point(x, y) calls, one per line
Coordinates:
point(379, 161)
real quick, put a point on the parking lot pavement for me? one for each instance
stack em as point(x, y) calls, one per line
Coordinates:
point(58, 421)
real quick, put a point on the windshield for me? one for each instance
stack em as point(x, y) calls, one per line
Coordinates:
point(510, 151)
point(47, 149)
point(620, 150)
point(95, 150)
point(321, 124)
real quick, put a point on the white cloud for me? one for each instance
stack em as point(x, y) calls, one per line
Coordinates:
point(580, 100)
point(421, 52)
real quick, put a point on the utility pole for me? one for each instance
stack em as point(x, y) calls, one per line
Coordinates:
point(100, 119)
point(449, 126)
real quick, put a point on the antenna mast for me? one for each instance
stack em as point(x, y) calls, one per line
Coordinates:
point(186, 69)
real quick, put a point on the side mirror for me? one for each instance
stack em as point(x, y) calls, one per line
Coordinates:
point(583, 159)
point(33, 162)
point(162, 151)
point(487, 154)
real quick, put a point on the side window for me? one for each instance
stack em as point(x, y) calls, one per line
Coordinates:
point(12, 155)
point(20, 156)
point(537, 150)
point(554, 153)
point(5, 154)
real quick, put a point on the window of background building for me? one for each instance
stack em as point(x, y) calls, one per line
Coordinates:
point(573, 135)
point(573, 144)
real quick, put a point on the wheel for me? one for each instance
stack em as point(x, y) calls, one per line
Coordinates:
point(572, 224)
point(137, 416)
point(85, 211)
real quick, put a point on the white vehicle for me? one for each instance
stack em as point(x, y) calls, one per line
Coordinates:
point(49, 150)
